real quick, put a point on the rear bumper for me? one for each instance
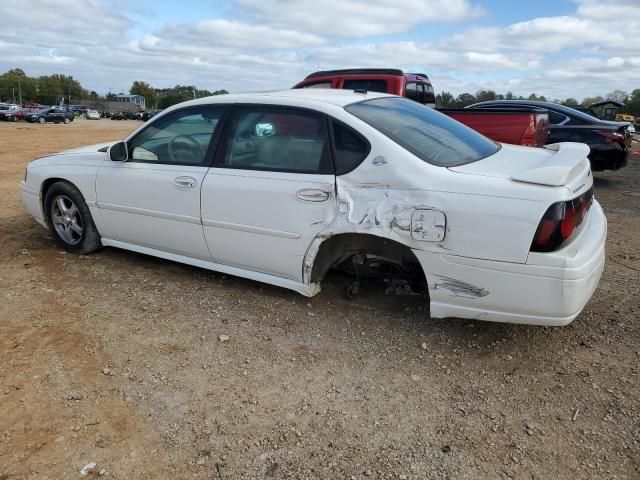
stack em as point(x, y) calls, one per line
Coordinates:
point(609, 157)
point(550, 289)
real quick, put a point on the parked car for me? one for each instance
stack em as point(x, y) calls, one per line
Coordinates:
point(303, 181)
point(149, 114)
point(7, 111)
point(93, 115)
point(50, 115)
point(10, 115)
point(117, 116)
point(415, 86)
point(527, 126)
point(608, 141)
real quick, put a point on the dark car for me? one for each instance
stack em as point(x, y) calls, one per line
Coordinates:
point(149, 114)
point(50, 115)
point(609, 141)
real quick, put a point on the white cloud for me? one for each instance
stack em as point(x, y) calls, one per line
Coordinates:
point(354, 18)
point(265, 44)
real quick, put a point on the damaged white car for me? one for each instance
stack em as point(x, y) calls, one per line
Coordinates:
point(281, 187)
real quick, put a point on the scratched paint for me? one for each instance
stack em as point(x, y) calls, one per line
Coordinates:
point(458, 288)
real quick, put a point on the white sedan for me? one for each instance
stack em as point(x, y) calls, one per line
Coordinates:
point(93, 115)
point(281, 187)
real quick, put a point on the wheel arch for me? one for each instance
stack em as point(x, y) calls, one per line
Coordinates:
point(328, 252)
point(44, 188)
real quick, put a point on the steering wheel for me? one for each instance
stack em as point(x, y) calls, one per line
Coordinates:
point(187, 153)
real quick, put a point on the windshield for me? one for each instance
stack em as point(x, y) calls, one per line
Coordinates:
point(430, 135)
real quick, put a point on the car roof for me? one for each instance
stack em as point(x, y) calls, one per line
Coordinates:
point(310, 96)
point(548, 105)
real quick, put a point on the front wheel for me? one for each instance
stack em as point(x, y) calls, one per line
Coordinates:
point(70, 220)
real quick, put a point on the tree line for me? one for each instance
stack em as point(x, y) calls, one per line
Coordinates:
point(631, 101)
point(17, 87)
point(159, 98)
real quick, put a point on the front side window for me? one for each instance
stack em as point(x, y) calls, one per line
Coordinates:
point(278, 139)
point(180, 138)
point(428, 134)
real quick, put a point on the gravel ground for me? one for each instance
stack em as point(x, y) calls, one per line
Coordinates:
point(115, 358)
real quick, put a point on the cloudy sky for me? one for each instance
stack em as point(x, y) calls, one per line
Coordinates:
point(559, 48)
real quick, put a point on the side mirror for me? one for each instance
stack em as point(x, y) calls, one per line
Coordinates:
point(118, 152)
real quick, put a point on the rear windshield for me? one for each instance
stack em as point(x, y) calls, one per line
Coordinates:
point(368, 85)
point(430, 135)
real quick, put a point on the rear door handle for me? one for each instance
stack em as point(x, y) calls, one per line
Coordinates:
point(313, 195)
point(185, 182)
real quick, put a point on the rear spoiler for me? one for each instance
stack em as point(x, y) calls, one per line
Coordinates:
point(559, 169)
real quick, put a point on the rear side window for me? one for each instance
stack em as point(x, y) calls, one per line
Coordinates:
point(556, 118)
point(411, 91)
point(351, 148)
point(428, 134)
point(368, 85)
point(429, 97)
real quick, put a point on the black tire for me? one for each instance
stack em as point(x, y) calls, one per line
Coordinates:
point(89, 239)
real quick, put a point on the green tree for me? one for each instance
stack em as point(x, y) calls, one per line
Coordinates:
point(589, 100)
point(618, 95)
point(465, 99)
point(570, 102)
point(632, 105)
point(445, 99)
point(485, 95)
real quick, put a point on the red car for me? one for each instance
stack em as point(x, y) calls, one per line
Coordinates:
point(415, 86)
point(522, 127)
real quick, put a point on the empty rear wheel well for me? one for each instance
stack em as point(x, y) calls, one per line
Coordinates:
point(339, 248)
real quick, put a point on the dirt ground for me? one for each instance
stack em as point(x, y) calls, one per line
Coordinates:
point(115, 358)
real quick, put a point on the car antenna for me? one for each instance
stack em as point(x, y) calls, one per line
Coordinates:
point(360, 90)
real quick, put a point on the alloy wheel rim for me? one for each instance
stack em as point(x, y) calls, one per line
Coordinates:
point(67, 220)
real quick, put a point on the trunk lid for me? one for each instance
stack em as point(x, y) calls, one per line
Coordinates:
point(559, 164)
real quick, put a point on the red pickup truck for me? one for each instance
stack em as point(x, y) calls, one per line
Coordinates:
point(526, 126)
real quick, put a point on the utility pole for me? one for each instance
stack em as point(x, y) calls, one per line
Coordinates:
point(20, 92)
point(13, 94)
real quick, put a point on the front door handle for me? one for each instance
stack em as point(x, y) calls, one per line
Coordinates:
point(313, 195)
point(185, 182)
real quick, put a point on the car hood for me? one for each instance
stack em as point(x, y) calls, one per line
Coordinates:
point(88, 149)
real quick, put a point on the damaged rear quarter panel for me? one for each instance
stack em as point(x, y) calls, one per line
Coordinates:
point(486, 217)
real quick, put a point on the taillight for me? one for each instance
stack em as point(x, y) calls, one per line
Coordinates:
point(560, 221)
point(610, 136)
point(528, 137)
